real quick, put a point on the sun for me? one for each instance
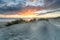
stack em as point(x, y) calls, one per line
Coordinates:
point(28, 11)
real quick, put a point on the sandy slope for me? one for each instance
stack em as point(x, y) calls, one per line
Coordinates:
point(39, 30)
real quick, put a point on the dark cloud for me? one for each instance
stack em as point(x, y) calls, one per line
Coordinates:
point(10, 6)
point(15, 5)
point(9, 9)
point(1, 2)
point(53, 4)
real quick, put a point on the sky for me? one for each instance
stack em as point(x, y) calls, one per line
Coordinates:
point(15, 5)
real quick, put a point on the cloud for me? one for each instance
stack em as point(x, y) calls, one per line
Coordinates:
point(6, 6)
point(15, 5)
point(52, 4)
point(34, 2)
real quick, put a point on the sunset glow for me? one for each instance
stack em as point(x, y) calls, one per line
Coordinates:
point(28, 12)
point(33, 0)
